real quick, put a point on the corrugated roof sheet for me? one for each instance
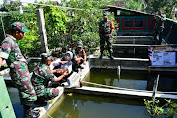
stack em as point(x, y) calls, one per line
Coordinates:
point(128, 10)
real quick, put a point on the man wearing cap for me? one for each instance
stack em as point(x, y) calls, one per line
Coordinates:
point(106, 29)
point(19, 72)
point(80, 57)
point(41, 78)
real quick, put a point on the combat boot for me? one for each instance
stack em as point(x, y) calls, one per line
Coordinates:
point(30, 113)
point(81, 67)
point(101, 55)
point(40, 102)
point(111, 57)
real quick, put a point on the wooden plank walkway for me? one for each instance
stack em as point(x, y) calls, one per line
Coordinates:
point(120, 93)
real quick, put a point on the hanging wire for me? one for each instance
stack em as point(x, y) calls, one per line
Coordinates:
point(65, 7)
point(16, 14)
point(4, 13)
point(48, 6)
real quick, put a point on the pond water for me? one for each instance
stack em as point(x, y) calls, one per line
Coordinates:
point(167, 81)
point(89, 106)
point(140, 80)
point(84, 106)
point(131, 55)
point(127, 79)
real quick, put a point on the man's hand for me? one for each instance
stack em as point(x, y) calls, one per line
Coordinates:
point(84, 62)
point(65, 73)
point(58, 70)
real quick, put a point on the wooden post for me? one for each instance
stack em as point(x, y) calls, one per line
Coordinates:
point(42, 30)
point(155, 88)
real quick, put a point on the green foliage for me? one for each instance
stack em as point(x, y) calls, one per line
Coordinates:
point(135, 5)
point(64, 27)
point(30, 41)
point(166, 5)
point(153, 107)
point(151, 6)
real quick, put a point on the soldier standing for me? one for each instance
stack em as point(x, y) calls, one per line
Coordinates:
point(41, 78)
point(106, 29)
point(159, 26)
point(19, 72)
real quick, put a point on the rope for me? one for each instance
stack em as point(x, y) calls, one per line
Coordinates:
point(48, 114)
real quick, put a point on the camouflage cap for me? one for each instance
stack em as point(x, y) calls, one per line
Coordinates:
point(46, 56)
point(19, 26)
point(79, 44)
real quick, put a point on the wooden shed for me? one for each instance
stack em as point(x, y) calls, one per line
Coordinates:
point(132, 22)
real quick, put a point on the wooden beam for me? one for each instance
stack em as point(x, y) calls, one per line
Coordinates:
point(42, 30)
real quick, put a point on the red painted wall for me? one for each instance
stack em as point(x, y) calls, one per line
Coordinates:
point(134, 28)
point(151, 24)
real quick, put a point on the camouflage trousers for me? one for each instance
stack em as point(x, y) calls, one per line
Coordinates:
point(21, 78)
point(48, 93)
point(159, 33)
point(107, 39)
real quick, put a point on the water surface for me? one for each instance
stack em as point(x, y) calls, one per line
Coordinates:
point(127, 79)
point(84, 106)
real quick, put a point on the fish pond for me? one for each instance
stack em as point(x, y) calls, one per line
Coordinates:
point(72, 105)
point(87, 106)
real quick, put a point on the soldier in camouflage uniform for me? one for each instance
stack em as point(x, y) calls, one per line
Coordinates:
point(80, 57)
point(106, 29)
point(19, 72)
point(42, 76)
point(159, 26)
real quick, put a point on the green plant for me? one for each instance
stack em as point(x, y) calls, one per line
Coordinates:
point(64, 27)
point(153, 107)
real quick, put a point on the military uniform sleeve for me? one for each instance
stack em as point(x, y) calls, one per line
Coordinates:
point(49, 75)
point(74, 54)
point(54, 78)
point(5, 49)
